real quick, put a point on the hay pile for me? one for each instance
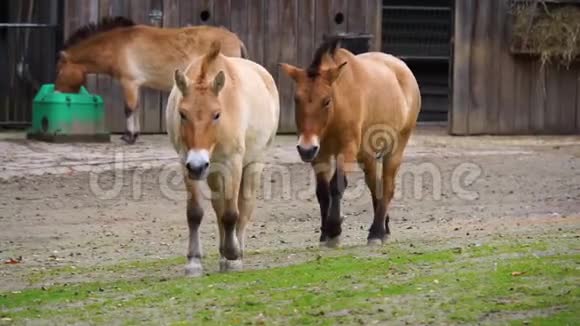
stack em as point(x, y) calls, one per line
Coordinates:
point(551, 33)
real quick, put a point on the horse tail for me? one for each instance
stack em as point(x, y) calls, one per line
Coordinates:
point(243, 50)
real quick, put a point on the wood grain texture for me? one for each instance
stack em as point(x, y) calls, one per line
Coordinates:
point(221, 12)
point(323, 20)
point(505, 108)
point(256, 31)
point(538, 97)
point(239, 19)
point(374, 22)
point(463, 37)
point(288, 53)
point(577, 101)
point(306, 32)
point(339, 7)
point(357, 16)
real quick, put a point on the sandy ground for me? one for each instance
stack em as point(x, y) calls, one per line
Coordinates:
point(95, 204)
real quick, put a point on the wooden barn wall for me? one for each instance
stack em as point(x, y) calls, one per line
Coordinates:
point(273, 30)
point(497, 93)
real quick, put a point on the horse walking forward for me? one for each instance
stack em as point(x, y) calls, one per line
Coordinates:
point(353, 110)
point(221, 116)
point(136, 55)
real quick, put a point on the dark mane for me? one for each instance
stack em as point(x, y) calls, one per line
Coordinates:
point(91, 29)
point(328, 46)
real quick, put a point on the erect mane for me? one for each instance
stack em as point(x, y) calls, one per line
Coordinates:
point(92, 29)
point(208, 59)
point(327, 47)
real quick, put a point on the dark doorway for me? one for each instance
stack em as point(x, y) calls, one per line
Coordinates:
point(419, 32)
point(29, 34)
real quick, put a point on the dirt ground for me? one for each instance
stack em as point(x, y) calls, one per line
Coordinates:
point(95, 204)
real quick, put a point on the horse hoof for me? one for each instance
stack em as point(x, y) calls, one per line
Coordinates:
point(374, 242)
point(194, 268)
point(227, 265)
point(333, 242)
point(129, 139)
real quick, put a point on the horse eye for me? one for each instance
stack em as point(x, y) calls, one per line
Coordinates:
point(216, 116)
point(326, 102)
point(183, 117)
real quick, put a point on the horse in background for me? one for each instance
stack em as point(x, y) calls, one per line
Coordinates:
point(136, 55)
point(353, 109)
point(221, 117)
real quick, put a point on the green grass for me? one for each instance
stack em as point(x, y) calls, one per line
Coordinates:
point(351, 286)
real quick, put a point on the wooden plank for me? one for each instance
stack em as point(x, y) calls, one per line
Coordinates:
point(206, 13)
point(171, 13)
point(256, 31)
point(538, 97)
point(374, 22)
point(239, 19)
point(288, 53)
point(306, 27)
point(186, 13)
point(323, 20)
point(357, 16)
point(568, 95)
point(577, 100)
point(271, 37)
point(339, 15)
point(505, 109)
point(481, 62)
point(561, 100)
point(463, 37)
point(222, 10)
point(523, 86)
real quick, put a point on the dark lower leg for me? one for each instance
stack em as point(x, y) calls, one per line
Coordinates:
point(194, 217)
point(231, 249)
point(323, 196)
point(378, 229)
point(338, 184)
point(131, 131)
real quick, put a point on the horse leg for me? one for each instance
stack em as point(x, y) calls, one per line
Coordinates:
point(373, 183)
point(247, 200)
point(225, 185)
point(379, 230)
point(338, 183)
point(132, 126)
point(194, 217)
point(323, 174)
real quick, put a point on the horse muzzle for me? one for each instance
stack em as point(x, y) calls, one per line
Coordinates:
point(197, 164)
point(308, 153)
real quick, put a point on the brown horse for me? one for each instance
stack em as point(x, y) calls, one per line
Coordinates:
point(354, 109)
point(136, 55)
point(221, 117)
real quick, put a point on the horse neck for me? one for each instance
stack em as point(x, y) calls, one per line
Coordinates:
point(95, 56)
point(344, 92)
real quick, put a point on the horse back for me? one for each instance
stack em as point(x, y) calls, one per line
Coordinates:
point(255, 94)
point(392, 90)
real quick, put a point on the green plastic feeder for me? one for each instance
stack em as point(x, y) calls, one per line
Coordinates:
point(67, 117)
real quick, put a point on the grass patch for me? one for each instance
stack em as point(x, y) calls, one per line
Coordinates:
point(497, 282)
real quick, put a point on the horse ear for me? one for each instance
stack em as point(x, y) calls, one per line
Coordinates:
point(290, 70)
point(332, 74)
point(181, 81)
point(218, 82)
